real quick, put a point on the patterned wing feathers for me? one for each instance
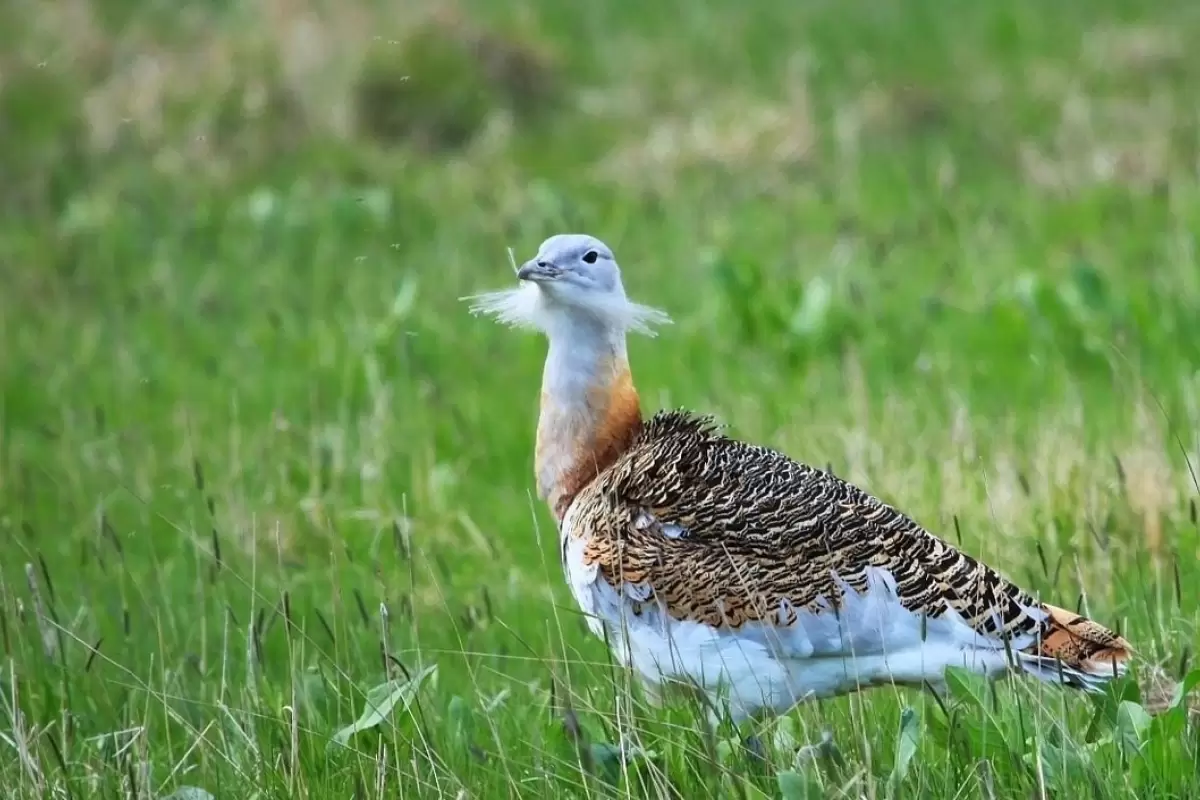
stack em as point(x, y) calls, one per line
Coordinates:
point(1080, 643)
point(758, 535)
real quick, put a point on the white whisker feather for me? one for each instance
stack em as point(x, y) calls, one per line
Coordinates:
point(517, 308)
point(526, 307)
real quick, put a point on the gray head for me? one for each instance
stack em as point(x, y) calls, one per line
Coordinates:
point(572, 269)
point(573, 278)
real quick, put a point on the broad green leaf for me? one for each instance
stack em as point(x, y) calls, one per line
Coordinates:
point(190, 793)
point(727, 749)
point(382, 701)
point(1106, 703)
point(906, 744)
point(795, 785)
point(1062, 766)
point(967, 687)
point(1132, 722)
point(606, 751)
point(783, 736)
point(740, 786)
point(1185, 687)
point(979, 731)
point(608, 758)
point(458, 712)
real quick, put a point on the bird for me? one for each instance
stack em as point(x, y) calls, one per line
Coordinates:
point(730, 568)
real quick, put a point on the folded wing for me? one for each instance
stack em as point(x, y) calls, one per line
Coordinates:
point(744, 538)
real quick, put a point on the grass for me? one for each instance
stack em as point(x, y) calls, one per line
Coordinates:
point(260, 471)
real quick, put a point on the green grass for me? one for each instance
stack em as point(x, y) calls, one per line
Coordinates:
point(256, 460)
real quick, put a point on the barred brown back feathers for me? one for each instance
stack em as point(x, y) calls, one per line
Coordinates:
point(762, 532)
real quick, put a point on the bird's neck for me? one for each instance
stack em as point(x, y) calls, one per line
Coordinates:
point(589, 410)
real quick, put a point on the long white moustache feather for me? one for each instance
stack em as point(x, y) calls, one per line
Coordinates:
point(525, 307)
point(517, 308)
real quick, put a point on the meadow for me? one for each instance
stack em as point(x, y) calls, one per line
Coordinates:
point(267, 514)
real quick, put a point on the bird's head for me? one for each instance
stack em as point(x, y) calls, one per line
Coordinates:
point(572, 281)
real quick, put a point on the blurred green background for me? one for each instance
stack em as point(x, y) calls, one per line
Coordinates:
point(947, 249)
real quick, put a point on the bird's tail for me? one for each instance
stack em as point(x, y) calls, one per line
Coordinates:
point(1074, 650)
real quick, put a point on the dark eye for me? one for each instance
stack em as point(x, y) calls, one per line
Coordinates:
point(590, 257)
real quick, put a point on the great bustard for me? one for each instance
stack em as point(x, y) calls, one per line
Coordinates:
point(728, 566)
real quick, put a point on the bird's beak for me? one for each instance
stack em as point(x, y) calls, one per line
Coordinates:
point(537, 271)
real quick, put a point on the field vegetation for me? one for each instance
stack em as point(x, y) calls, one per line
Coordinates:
point(267, 522)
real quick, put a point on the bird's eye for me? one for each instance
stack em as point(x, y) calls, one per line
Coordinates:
point(590, 257)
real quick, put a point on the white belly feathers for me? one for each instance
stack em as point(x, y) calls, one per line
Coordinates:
point(761, 667)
